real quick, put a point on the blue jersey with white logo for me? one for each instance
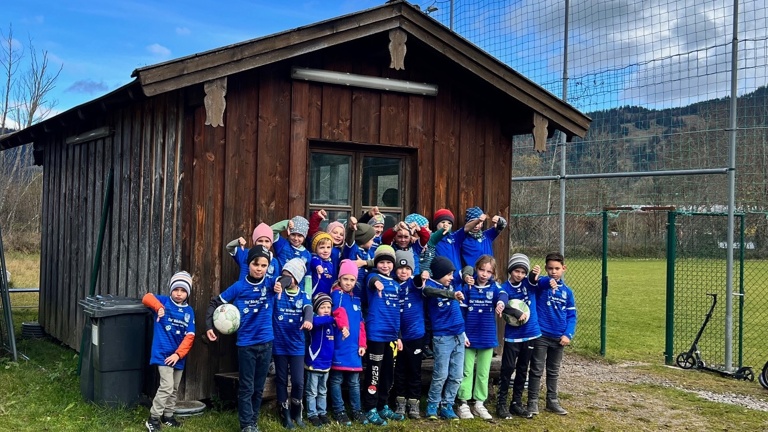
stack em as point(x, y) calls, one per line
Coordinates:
point(255, 302)
point(411, 311)
point(382, 322)
point(556, 309)
point(320, 346)
point(480, 313)
point(322, 282)
point(285, 252)
point(287, 320)
point(444, 314)
point(450, 247)
point(345, 353)
point(169, 331)
point(530, 330)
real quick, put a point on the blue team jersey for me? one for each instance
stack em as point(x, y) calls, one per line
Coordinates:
point(473, 248)
point(556, 309)
point(169, 331)
point(287, 320)
point(411, 311)
point(480, 314)
point(450, 247)
point(322, 282)
point(354, 253)
point(285, 251)
point(345, 353)
point(530, 330)
point(320, 345)
point(444, 314)
point(255, 301)
point(382, 322)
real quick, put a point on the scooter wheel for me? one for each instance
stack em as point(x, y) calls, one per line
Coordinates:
point(685, 361)
point(763, 377)
point(745, 373)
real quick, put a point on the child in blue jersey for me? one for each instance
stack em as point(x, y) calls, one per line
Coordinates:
point(262, 235)
point(556, 308)
point(357, 247)
point(478, 242)
point(322, 267)
point(447, 243)
point(318, 358)
point(519, 338)
point(350, 345)
point(448, 340)
point(382, 324)
point(297, 229)
point(335, 229)
point(173, 335)
point(293, 315)
point(254, 298)
point(407, 388)
point(485, 300)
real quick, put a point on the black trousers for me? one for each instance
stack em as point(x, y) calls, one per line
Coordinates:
point(516, 357)
point(408, 370)
point(379, 374)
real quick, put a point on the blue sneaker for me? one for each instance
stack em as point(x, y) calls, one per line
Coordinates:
point(374, 418)
point(390, 415)
point(446, 412)
point(431, 411)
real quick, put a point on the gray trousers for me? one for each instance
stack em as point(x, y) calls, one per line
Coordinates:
point(164, 402)
point(547, 353)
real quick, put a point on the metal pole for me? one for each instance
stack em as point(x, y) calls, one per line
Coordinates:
point(669, 354)
point(451, 15)
point(562, 136)
point(604, 296)
point(659, 173)
point(741, 290)
point(731, 190)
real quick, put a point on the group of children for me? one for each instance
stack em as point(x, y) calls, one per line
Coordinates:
point(355, 301)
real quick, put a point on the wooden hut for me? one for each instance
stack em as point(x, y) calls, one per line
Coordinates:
point(329, 115)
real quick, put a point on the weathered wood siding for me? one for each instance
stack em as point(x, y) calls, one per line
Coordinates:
point(142, 248)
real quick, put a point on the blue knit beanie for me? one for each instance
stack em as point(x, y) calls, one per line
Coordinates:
point(419, 219)
point(473, 213)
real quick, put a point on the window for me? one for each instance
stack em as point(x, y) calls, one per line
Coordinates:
point(348, 183)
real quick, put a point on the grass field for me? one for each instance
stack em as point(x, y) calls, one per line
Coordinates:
point(43, 393)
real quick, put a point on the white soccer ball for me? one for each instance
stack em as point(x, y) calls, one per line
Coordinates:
point(519, 305)
point(226, 318)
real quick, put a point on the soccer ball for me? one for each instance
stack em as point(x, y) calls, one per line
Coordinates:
point(519, 305)
point(226, 318)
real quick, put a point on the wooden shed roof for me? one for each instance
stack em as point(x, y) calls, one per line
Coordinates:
point(228, 60)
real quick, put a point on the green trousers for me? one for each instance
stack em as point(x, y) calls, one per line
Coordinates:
point(480, 381)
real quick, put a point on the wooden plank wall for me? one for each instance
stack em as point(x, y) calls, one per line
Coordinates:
point(141, 250)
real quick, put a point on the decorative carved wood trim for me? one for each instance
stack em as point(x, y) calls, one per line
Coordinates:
point(397, 48)
point(215, 101)
point(539, 132)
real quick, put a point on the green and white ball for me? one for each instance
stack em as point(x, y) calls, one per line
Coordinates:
point(226, 318)
point(519, 305)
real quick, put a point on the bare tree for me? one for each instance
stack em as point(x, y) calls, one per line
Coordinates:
point(10, 57)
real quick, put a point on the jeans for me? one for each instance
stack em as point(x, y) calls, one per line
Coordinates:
point(477, 376)
point(549, 352)
point(336, 379)
point(516, 357)
point(282, 365)
point(448, 370)
point(253, 365)
point(379, 374)
point(408, 370)
point(317, 392)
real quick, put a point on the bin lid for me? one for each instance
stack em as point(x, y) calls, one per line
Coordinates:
point(101, 306)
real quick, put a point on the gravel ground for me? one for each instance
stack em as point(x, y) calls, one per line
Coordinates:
point(585, 377)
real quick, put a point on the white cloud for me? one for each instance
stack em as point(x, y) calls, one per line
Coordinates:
point(159, 50)
point(183, 31)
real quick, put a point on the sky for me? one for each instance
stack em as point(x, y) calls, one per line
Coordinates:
point(653, 53)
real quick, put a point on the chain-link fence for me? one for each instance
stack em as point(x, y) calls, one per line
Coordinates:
point(537, 235)
point(700, 269)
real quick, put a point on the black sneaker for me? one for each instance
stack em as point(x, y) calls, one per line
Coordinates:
point(170, 421)
point(502, 412)
point(518, 410)
point(342, 418)
point(153, 424)
point(315, 421)
point(324, 419)
point(427, 352)
point(360, 417)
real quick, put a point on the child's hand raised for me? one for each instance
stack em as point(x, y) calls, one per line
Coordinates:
point(352, 223)
point(446, 229)
point(469, 280)
point(320, 269)
point(553, 284)
point(373, 211)
point(459, 296)
point(241, 242)
point(536, 271)
point(495, 220)
point(483, 218)
point(278, 289)
point(306, 325)
point(323, 214)
point(424, 275)
point(290, 225)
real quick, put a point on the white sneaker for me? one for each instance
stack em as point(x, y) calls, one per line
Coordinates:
point(480, 411)
point(464, 412)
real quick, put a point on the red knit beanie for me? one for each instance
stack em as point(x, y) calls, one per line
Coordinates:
point(441, 215)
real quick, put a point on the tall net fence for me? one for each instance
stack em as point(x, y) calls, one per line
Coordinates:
point(537, 235)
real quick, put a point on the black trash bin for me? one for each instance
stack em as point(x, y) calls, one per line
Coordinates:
point(115, 354)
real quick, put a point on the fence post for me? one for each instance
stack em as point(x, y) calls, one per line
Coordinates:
point(669, 355)
point(604, 295)
point(741, 289)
